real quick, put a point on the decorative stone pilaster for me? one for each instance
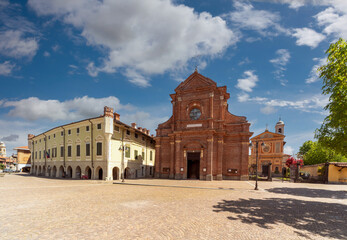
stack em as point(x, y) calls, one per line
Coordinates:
point(220, 160)
point(209, 176)
point(172, 160)
point(178, 156)
point(157, 161)
point(108, 122)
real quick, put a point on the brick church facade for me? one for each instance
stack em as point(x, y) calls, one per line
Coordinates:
point(202, 140)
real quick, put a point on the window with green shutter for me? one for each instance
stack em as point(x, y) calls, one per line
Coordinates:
point(127, 152)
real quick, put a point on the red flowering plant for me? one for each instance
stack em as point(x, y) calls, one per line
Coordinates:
point(292, 161)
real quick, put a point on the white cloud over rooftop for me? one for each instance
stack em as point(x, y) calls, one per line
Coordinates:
point(142, 37)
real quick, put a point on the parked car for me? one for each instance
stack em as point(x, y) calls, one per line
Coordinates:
point(304, 175)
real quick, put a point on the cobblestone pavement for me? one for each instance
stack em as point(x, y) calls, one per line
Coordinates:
point(43, 208)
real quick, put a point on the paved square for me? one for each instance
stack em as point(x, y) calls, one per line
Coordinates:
point(43, 208)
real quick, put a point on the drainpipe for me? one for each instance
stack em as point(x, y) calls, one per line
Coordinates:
point(123, 153)
point(147, 166)
point(45, 151)
point(33, 156)
point(64, 146)
point(91, 143)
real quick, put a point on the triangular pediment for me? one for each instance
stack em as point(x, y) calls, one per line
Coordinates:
point(267, 134)
point(194, 81)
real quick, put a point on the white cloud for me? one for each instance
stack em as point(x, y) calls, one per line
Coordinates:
point(249, 82)
point(78, 108)
point(144, 119)
point(262, 21)
point(6, 68)
point(308, 37)
point(136, 78)
point(14, 44)
point(46, 54)
point(282, 59)
point(243, 97)
point(280, 62)
point(333, 18)
point(268, 110)
point(288, 150)
point(334, 21)
point(145, 37)
point(314, 103)
point(314, 75)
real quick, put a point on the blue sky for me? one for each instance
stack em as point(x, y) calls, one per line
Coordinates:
point(62, 61)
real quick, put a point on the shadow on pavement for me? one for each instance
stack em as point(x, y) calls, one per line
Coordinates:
point(312, 193)
point(325, 219)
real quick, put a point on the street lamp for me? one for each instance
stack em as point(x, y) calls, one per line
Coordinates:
point(123, 148)
point(256, 161)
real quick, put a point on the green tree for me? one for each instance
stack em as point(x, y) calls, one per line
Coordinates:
point(333, 132)
point(2, 166)
point(321, 154)
point(306, 146)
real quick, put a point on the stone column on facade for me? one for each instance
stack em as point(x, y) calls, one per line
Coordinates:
point(178, 124)
point(108, 131)
point(211, 110)
point(178, 156)
point(172, 160)
point(157, 160)
point(108, 156)
point(209, 175)
point(202, 162)
point(220, 160)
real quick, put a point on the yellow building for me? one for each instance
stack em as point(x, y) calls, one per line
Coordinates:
point(272, 151)
point(337, 172)
point(23, 158)
point(96, 148)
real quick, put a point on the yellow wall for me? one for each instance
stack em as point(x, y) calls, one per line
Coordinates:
point(311, 169)
point(336, 176)
point(23, 157)
point(56, 140)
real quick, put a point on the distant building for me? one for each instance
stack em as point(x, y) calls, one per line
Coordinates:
point(202, 139)
point(96, 148)
point(23, 159)
point(271, 152)
point(2, 149)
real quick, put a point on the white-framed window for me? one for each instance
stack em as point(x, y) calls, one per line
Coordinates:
point(99, 149)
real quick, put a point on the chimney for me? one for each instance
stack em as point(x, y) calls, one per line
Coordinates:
point(147, 131)
point(140, 129)
point(30, 136)
point(108, 112)
point(144, 130)
point(116, 116)
point(133, 125)
point(152, 135)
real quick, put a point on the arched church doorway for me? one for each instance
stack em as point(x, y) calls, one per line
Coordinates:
point(193, 165)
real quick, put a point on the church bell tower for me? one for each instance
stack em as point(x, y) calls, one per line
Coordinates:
point(279, 128)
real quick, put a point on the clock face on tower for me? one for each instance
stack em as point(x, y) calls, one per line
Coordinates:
point(195, 114)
